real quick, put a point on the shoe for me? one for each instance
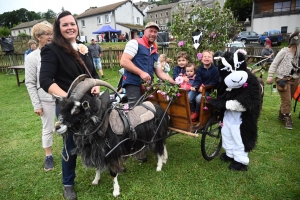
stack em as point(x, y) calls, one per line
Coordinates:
point(236, 166)
point(225, 158)
point(49, 163)
point(69, 193)
point(194, 116)
point(280, 116)
point(103, 76)
point(288, 121)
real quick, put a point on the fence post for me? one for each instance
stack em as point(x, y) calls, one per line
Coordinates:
point(110, 60)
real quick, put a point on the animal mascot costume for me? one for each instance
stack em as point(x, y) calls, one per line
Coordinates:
point(239, 100)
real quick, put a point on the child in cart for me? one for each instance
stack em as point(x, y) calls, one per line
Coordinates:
point(206, 74)
point(182, 61)
point(188, 77)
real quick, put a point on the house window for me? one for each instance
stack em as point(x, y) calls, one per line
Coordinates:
point(99, 20)
point(167, 20)
point(155, 15)
point(167, 14)
point(150, 16)
point(24, 31)
point(297, 7)
point(284, 29)
point(19, 31)
point(82, 23)
point(138, 20)
point(107, 18)
point(282, 6)
point(161, 14)
point(30, 31)
point(156, 22)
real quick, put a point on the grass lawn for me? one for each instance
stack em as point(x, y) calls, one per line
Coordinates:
point(273, 171)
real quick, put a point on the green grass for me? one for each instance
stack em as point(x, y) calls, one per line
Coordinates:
point(273, 171)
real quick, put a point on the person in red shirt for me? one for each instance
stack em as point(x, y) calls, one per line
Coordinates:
point(269, 42)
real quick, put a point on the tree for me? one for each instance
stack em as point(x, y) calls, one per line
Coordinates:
point(9, 19)
point(49, 15)
point(241, 9)
point(4, 32)
point(217, 27)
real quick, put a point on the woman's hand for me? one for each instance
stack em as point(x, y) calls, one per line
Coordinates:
point(95, 90)
point(193, 89)
point(39, 112)
point(269, 80)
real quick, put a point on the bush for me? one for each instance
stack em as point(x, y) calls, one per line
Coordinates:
point(214, 23)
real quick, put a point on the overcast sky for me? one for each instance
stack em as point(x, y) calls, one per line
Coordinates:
point(74, 6)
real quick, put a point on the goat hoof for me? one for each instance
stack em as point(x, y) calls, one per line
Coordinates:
point(116, 194)
point(95, 182)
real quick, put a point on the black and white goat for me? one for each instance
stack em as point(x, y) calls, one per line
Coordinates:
point(97, 143)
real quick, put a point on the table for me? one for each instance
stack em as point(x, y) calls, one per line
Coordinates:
point(255, 59)
point(16, 68)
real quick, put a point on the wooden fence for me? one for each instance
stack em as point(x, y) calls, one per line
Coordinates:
point(111, 57)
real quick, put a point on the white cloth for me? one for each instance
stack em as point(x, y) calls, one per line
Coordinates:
point(39, 98)
point(48, 123)
point(231, 137)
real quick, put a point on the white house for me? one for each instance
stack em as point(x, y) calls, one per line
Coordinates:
point(275, 15)
point(144, 7)
point(124, 16)
point(25, 27)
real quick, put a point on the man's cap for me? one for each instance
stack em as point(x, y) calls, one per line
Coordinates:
point(92, 38)
point(151, 24)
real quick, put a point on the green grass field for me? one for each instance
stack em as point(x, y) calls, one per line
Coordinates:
point(273, 171)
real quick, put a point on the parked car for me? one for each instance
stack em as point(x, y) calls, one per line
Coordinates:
point(247, 36)
point(232, 47)
point(274, 35)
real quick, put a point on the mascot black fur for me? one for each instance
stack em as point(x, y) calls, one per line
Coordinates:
point(239, 101)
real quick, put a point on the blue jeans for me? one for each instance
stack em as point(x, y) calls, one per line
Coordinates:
point(68, 167)
point(195, 99)
point(97, 63)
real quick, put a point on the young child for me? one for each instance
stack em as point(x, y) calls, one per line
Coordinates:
point(162, 62)
point(182, 61)
point(206, 74)
point(189, 76)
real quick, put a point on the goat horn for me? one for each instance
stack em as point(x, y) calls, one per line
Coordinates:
point(76, 82)
point(86, 85)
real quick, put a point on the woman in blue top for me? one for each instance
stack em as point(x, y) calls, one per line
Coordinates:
point(206, 74)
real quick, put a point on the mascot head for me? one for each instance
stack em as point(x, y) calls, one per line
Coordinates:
point(233, 69)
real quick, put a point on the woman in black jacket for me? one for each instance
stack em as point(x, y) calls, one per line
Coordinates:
point(62, 62)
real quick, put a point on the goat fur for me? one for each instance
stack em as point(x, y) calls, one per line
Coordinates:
point(93, 147)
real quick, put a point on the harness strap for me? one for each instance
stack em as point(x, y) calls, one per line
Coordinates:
point(124, 120)
point(147, 107)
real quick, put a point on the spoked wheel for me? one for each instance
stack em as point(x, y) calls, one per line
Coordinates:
point(211, 138)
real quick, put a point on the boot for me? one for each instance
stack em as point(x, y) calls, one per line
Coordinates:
point(288, 121)
point(280, 116)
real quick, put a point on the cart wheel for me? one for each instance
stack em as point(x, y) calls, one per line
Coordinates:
point(211, 138)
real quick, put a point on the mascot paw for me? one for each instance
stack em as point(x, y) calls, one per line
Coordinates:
point(234, 105)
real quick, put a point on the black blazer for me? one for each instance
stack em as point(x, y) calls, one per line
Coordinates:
point(62, 68)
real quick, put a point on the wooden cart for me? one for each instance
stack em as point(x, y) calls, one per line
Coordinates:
point(207, 124)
